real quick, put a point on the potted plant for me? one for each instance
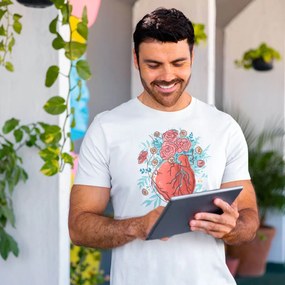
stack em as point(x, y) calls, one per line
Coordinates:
point(199, 32)
point(260, 59)
point(266, 166)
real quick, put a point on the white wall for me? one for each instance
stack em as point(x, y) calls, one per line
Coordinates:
point(109, 53)
point(43, 242)
point(198, 12)
point(258, 95)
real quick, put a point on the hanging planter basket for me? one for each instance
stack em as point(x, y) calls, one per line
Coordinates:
point(261, 65)
point(36, 3)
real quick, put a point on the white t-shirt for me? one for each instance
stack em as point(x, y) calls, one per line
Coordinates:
point(147, 156)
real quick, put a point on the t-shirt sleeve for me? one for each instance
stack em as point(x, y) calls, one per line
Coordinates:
point(237, 156)
point(93, 169)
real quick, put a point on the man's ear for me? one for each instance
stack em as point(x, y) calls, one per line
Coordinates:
point(192, 56)
point(136, 63)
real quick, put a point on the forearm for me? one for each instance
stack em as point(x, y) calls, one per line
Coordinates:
point(92, 230)
point(245, 229)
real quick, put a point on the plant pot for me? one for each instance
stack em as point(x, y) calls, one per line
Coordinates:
point(36, 3)
point(253, 255)
point(261, 65)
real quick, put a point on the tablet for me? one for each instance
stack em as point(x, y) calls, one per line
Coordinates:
point(181, 209)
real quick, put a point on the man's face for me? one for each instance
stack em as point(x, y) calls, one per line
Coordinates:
point(165, 71)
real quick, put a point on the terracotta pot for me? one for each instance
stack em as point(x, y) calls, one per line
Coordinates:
point(253, 255)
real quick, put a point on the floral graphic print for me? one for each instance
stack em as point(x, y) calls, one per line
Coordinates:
point(172, 164)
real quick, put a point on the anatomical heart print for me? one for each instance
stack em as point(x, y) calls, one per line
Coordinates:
point(172, 164)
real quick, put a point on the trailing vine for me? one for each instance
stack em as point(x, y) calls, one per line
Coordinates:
point(9, 24)
point(50, 140)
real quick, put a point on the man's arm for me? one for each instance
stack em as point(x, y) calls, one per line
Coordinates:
point(88, 226)
point(238, 223)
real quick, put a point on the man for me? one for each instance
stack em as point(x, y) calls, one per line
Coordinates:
point(162, 144)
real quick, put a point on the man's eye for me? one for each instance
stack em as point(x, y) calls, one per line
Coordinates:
point(153, 66)
point(178, 64)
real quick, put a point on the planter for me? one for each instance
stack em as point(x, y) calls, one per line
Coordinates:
point(36, 3)
point(253, 255)
point(261, 65)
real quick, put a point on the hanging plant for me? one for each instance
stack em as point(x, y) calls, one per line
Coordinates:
point(260, 59)
point(50, 140)
point(9, 26)
point(199, 32)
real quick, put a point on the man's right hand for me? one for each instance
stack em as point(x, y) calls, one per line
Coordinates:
point(148, 221)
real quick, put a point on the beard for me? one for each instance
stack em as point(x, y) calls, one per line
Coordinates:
point(164, 98)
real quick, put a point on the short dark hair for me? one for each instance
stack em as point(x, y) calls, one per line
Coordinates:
point(164, 25)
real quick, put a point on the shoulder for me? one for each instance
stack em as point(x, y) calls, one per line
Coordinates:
point(120, 112)
point(212, 115)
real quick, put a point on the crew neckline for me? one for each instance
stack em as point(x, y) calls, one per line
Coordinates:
point(148, 109)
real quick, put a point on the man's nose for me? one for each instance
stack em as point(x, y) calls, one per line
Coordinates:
point(167, 73)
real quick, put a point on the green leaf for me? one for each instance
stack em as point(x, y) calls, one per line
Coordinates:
point(2, 13)
point(2, 46)
point(2, 31)
point(51, 135)
point(16, 17)
point(79, 84)
point(82, 30)
point(23, 175)
point(50, 168)
point(10, 125)
point(55, 105)
point(50, 153)
point(73, 123)
point(18, 134)
point(9, 66)
point(50, 138)
point(71, 145)
point(32, 141)
point(53, 25)
point(65, 14)
point(75, 50)
point(58, 42)
point(8, 213)
point(84, 16)
point(67, 158)
point(7, 245)
point(17, 26)
point(58, 3)
point(11, 44)
point(51, 75)
point(83, 69)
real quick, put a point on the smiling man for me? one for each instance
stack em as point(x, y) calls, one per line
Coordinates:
point(163, 143)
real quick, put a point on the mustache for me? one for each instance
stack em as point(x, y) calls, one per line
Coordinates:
point(166, 83)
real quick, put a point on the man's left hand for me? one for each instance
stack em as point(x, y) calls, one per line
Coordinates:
point(216, 225)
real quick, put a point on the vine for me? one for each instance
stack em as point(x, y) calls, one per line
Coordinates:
point(9, 23)
point(50, 140)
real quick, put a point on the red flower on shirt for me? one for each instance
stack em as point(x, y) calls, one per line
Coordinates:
point(170, 136)
point(142, 156)
point(168, 150)
point(183, 145)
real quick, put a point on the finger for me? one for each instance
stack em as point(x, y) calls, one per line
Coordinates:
point(164, 239)
point(223, 205)
point(208, 217)
point(224, 225)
